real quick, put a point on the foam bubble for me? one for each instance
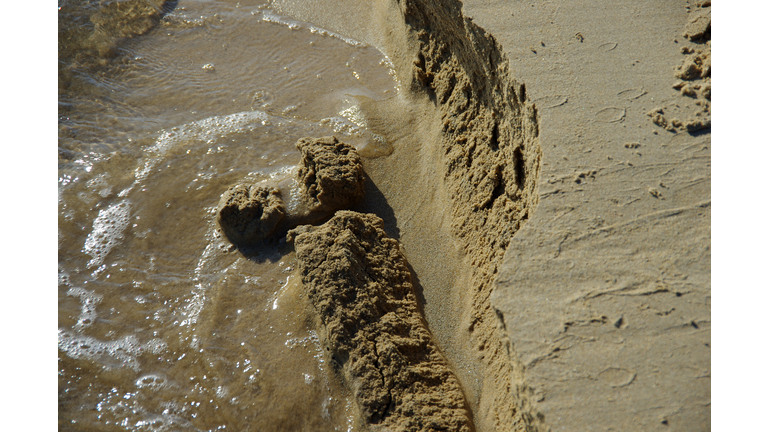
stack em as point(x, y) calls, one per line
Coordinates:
point(119, 353)
point(100, 185)
point(89, 300)
point(152, 381)
point(63, 277)
point(108, 228)
point(122, 352)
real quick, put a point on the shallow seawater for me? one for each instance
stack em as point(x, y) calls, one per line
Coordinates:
point(162, 324)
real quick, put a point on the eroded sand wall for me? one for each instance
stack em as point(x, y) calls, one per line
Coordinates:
point(489, 163)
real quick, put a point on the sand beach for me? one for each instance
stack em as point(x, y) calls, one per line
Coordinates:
point(532, 250)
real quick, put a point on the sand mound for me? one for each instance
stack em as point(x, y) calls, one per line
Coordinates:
point(359, 285)
point(330, 176)
point(248, 213)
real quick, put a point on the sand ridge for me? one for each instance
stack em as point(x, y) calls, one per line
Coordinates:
point(488, 165)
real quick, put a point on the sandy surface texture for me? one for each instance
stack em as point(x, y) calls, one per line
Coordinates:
point(605, 293)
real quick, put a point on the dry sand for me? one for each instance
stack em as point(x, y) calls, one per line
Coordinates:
point(595, 315)
point(606, 292)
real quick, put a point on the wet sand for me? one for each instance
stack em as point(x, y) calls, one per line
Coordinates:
point(162, 323)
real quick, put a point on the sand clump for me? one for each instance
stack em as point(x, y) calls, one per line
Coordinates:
point(359, 286)
point(330, 177)
point(249, 213)
point(699, 27)
point(694, 74)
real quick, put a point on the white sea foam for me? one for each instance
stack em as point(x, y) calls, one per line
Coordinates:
point(89, 300)
point(209, 129)
point(108, 230)
point(118, 353)
point(270, 16)
point(152, 381)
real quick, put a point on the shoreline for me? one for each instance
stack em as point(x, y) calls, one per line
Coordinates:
point(557, 234)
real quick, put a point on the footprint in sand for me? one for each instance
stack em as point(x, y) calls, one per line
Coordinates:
point(617, 377)
point(552, 101)
point(610, 115)
point(632, 94)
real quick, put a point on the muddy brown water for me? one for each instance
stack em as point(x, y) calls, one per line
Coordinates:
point(162, 324)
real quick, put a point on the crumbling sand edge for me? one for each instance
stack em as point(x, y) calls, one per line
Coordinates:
point(491, 166)
point(694, 75)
